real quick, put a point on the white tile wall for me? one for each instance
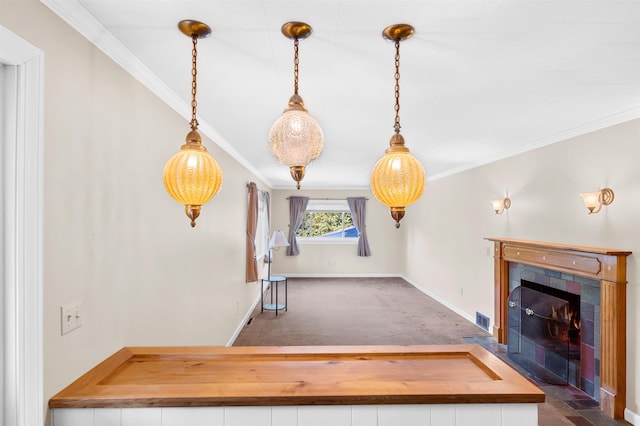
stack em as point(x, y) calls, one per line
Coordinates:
point(334, 415)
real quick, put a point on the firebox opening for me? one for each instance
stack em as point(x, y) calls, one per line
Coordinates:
point(572, 314)
point(544, 332)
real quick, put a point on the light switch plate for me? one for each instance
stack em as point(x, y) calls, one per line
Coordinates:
point(70, 318)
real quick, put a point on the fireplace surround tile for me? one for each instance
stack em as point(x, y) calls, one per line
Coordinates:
point(558, 283)
point(541, 278)
point(572, 286)
point(587, 310)
point(528, 275)
point(529, 351)
point(566, 276)
point(558, 365)
point(587, 333)
point(552, 274)
point(589, 292)
point(587, 363)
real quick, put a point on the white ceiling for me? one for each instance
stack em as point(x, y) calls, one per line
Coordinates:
point(480, 79)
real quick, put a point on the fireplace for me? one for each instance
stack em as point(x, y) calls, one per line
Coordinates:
point(545, 326)
point(601, 278)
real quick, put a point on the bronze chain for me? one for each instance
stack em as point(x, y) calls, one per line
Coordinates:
point(295, 66)
point(397, 76)
point(194, 87)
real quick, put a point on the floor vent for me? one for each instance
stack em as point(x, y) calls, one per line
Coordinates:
point(482, 321)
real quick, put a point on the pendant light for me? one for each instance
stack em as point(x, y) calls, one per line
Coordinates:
point(296, 139)
point(398, 178)
point(192, 177)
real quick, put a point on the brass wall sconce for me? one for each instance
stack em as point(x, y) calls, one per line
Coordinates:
point(499, 206)
point(595, 200)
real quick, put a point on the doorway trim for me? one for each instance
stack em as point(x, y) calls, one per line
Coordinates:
point(22, 190)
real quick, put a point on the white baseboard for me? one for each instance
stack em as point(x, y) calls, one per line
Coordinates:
point(440, 300)
point(631, 417)
point(245, 319)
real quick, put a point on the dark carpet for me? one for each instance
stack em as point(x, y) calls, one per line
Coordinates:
point(355, 311)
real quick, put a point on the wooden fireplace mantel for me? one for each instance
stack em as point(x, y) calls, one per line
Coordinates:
point(605, 265)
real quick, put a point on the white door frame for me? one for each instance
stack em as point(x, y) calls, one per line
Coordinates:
point(21, 189)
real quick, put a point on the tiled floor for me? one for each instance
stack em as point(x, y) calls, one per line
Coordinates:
point(576, 406)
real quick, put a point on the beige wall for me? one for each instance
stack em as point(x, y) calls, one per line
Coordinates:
point(385, 241)
point(447, 250)
point(113, 238)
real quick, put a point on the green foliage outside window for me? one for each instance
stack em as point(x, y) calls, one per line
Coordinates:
point(325, 224)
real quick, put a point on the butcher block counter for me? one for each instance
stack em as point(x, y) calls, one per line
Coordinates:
point(296, 376)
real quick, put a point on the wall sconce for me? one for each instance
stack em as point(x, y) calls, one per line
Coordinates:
point(499, 206)
point(595, 200)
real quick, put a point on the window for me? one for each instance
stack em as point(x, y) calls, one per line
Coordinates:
point(327, 220)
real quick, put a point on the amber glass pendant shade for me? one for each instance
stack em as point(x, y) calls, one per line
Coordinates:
point(192, 177)
point(398, 178)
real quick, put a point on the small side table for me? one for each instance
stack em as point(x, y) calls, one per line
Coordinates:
point(275, 281)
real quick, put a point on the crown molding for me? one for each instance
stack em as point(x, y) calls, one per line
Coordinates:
point(74, 14)
point(592, 126)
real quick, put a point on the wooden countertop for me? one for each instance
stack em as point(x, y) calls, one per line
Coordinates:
point(297, 375)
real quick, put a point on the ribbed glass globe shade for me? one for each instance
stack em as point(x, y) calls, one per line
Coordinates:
point(296, 139)
point(398, 179)
point(192, 177)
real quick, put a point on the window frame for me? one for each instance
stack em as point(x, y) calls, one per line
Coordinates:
point(328, 206)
